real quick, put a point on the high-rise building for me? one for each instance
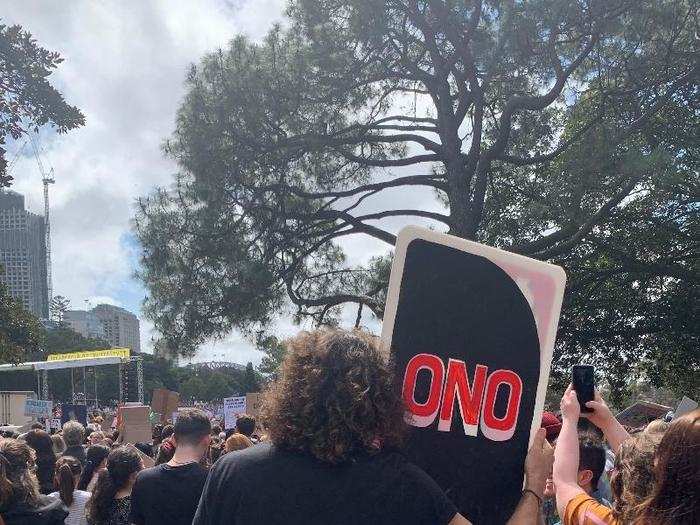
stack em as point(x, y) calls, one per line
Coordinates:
point(85, 323)
point(121, 327)
point(23, 254)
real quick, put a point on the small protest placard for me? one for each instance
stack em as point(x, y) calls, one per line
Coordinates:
point(252, 402)
point(135, 426)
point(164, 402)
point(233, 407)
point(472, 331)
point(38, 408)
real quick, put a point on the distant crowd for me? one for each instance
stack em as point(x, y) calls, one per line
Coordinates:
point(328, 450)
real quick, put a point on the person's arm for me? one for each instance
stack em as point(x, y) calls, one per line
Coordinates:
point(538, 465)
point(566, 455)
point(135, 514)
point(604, 419)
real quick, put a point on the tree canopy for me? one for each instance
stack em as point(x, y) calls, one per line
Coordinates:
point(20, 331)
point(551, 128)
point(27, 99)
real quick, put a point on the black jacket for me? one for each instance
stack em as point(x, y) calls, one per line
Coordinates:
point(51, 511)
point(77, 451)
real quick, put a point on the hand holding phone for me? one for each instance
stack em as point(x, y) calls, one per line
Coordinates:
point(583, 379)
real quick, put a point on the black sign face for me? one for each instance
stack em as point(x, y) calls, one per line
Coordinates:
point(467, 352)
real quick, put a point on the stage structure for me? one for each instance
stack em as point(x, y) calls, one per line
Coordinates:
point(130, 372)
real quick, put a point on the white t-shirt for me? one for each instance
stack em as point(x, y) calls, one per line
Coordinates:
point(76, 512)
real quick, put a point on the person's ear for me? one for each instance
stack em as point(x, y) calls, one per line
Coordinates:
point(585, 477)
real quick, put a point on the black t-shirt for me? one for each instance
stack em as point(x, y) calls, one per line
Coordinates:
point(263, 484)
point(168, 495)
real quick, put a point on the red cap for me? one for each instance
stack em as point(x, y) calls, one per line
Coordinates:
point(551, 424)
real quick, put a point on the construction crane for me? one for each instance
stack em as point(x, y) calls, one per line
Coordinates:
point(46, 179)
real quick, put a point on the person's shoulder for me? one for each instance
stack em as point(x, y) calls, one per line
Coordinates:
point(251, 457)
point(583, 509)
point(150, 472)
point(82, 495)
point(52, 507)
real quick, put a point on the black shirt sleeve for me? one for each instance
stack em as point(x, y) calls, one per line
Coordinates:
point(431, 502)
point(220, 496)
point(135, 515)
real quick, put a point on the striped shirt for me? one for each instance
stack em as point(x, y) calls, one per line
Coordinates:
point(76, 512)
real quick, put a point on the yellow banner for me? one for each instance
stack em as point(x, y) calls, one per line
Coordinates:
point(124, 353)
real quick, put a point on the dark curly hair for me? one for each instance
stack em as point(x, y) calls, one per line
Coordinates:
point(122, 462)
point(335, 397)
point(94, 456)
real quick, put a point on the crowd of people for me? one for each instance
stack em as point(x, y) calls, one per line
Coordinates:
point(328, 450)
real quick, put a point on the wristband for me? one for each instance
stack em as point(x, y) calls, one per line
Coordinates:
point(539, 499)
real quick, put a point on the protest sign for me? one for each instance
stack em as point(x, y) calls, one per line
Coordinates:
point(73, 413)
point(684, 406)
point(252, 404)
point(38, 408)
point(135, 426)
point(233, 407)
point(55, 423)
point(472, 331)
point(164, 402)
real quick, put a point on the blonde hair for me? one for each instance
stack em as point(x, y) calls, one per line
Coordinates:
point(633, 479)
point(237, 442)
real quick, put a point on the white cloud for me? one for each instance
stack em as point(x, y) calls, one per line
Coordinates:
point(125, 63)
point(124, 67)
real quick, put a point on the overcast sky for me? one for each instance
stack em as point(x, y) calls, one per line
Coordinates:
point(125, 62)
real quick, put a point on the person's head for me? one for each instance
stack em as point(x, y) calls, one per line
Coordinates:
point(245, 425)
point(215, 430)
point(633, 477)
point(95, 460)
point(237, 442)
point(168, 430)
point(192, 429)
point(17, 480)
point(591, 463)
point(157, 433)
point(675, 497)
point(59, 446)
point(36, 426)
point(41, 442)
point(95, 438)
point(66, 477)
point(335, 397)
point(73, 433)
point(123, 463)
point(551, 425)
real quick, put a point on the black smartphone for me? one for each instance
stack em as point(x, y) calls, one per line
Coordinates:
point(583, 379)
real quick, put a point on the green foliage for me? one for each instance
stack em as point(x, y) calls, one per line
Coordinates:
point(563, 130)
point(274, 351)
point(20, 331)
point(27, 99)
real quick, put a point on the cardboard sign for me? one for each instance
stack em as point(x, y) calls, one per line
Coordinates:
point(74, 413)
point(472, 331)
point(252, 404)
point(135, 427)
point(233, 407)
point(38, 408)
point(164, 402)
